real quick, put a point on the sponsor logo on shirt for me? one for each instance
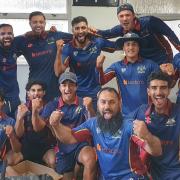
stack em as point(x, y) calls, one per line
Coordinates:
point(107, 150)
point(141, 69)
point(75, 53)
point(170, 122)
point(41, 53)
point(135, 82)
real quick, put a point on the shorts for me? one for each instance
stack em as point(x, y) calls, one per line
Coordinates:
point(66, 162)
point(35, 152)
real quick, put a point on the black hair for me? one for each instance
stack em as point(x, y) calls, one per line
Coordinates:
point(159, 75)
point(79, 19)
point(2, 95)
point(36, 13)
point(5, 25)
point(109, 89)
point(34, 82)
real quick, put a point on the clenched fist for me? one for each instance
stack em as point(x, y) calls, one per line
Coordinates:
point(167, 68)
point(37, 104)
point(21, 111)
point(140, 129)
point(55, 118)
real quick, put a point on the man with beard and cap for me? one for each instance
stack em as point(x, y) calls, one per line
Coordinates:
point(117, 153)
point(80, 55)
point(131, 73)
point(75, 111)
point(36, 146)
point(162, 118)
point(8, 69)
point(152, 31)
point(39, 49)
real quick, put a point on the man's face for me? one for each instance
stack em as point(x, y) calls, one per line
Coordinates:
point(159, 91)
point(80, 32)
point(131, 49)
point(6, 36)
point(36, 91)
point(126, 19)
point(108, 105)
point(68, 91)
point(37, 24)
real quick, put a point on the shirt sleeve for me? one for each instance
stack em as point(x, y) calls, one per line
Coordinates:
point(176, 61)
point(114, 32)
point(157, 26)
point(66, 54)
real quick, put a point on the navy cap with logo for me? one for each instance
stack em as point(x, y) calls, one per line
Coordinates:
point(125, 6)
point(130, 36)
point(67, 76)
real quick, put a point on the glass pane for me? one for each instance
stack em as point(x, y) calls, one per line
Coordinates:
point(27, 6)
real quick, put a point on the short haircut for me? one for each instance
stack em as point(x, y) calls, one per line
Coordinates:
point(159, 75)
point(109, 89)
point(35, 82)
point(79, 19)
point(36, 13)
point(5, 25)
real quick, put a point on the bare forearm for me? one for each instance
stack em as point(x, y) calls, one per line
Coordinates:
point(15, 144)
point(19, 127)
point(37, 122)
point(64, 134)
point(59, 68)
point(153, 145)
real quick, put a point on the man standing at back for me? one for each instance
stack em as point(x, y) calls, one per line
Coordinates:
point(8, 69)
point(80, 55)
point(152, 31)
point(39, 49)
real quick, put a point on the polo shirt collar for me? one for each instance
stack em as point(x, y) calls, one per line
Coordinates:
point(125, 61)
point(151, 109)
point(61, 103)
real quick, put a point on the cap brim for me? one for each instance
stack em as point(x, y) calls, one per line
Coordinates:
point(72, 80)
point(120, 42)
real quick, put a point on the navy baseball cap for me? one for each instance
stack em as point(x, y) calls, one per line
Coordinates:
point(130, 36)
point(67, 76)
point(125, 6)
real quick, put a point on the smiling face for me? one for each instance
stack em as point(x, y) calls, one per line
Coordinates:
point(80, 32)
point(68, 91)
point(131, 49)
point(37, 24)
point(36, 91)
point(159, 91)
point(6, 36)
point(126, 19)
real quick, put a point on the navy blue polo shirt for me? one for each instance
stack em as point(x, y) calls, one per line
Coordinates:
point(152, 30)
point(74, 115)
point(40, 54)
point(82, 61)
point(167, 128)
point(8, 71)
point(132, 81)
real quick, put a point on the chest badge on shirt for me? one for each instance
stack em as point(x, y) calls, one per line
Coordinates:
point(123, 70)
point(75, 53)
point(141, 69)
point(170, 122)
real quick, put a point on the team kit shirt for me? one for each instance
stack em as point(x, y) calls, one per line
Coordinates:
point(167, 128)
point(4, 145)
point(153, 45)
point(40, 53)
point(73, 115)
point(8, 72)
point(82, 61)
point(176, 64)
point(132, 81)
point(115, 155)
